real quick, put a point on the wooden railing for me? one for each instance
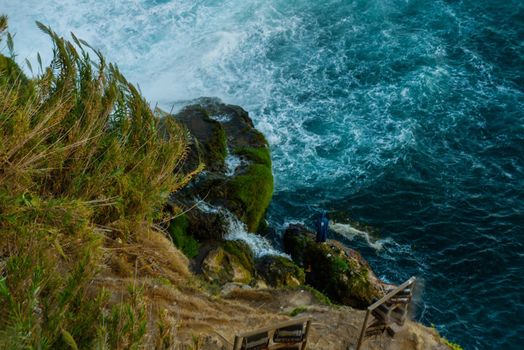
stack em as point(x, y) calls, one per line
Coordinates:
point(389, 310)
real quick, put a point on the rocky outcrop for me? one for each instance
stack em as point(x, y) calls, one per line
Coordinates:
point(230, 261)
point(237, 161)
point(339, 272)
point(279, 271)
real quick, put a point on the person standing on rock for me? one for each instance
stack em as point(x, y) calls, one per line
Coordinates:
point(322, 228)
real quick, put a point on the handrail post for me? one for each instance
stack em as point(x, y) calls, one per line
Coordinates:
point(237, 340)
point(363, 330)
point(306, 334)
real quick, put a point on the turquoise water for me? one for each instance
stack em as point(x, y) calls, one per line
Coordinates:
point(406, 116)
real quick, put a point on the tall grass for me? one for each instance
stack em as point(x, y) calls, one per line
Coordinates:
point(83, 159)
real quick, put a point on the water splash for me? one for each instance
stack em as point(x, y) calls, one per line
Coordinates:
point(350, 232)
point(232, 163)
point(237, 231)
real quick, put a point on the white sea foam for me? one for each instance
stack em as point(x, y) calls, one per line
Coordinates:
point(351, 232)
point(254, 53)
point(237, 231)
point(257, 243)
point(232, 163)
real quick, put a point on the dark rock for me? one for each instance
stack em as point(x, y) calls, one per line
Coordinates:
point(217, 129)
point(278, 271)
point(208, 136)
point(206, 226)
point(229, 261)
point(337, 271)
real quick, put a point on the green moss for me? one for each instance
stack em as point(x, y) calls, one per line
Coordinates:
point(216, 148)
point(360, 285)
point(279, 271)
point(253, 190)
point(298, 310)
point(178, 231)
point(453, 346)
point(259, 155)
point(241, 252)
point(339, 265)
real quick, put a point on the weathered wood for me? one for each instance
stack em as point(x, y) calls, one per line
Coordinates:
point(363, 331)
point(301, 345)
point(391, 294)
point(389, 312)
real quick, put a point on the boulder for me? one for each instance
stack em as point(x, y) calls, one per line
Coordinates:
point(219, 130)
point(337, 271)
point(279, 271)
point(230, 261)
point(208, 138)
point(206, 225)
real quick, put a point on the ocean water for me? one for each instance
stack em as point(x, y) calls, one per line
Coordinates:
point(404, 116)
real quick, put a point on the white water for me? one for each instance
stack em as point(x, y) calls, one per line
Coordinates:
point(257, 54)
point(232, 163)
point(351, 232)
point(237, 231)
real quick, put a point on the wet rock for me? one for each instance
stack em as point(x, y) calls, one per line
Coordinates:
point(206, 226)
point(337, 271)
point(279, 271)
point(218, 129)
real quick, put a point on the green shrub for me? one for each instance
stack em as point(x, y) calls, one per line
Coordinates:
point(186, 243)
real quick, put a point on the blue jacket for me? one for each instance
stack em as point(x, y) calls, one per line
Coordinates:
point(322, 228)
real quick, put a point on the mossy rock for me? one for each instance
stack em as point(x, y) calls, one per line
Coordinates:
point(182, 240)
point(232, 261)
point(206, 226)
point(217, 128)
point(339, 272)
point(279, 271)
point(209, 138)
point(249, 194)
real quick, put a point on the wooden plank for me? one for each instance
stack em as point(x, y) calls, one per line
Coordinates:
point(391, 294)
point(301, 345)
point(236, 344)
point(308, 326)
point(382, 312)
point(273, 327)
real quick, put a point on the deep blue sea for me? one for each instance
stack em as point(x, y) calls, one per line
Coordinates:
point(402, 118)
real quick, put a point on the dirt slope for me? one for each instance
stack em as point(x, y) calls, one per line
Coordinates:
point(204, 317)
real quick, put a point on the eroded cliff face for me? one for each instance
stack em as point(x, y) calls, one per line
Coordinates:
point(230, 290)
point(197, 315)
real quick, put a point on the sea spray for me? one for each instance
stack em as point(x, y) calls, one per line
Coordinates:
point(232, 162)
point(349, 232)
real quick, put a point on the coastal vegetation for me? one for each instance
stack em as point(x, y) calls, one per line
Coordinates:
point(82, 164)
point(254, 188)
point(182, 240)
